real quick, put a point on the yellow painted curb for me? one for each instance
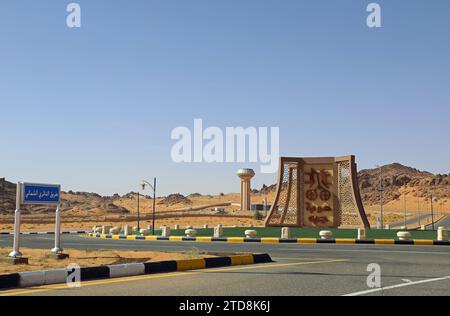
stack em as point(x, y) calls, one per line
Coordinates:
point(203, 239)
point(422, 242)
point(131, 237)
point(115, 237)
point(307, 240)
point(176, 238)
point(270, 240)
point(151, 238)
point(345, 241)
point(241, 260)
point(235, 239)
point(192, 264)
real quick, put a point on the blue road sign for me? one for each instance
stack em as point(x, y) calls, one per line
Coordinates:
point(41, 193)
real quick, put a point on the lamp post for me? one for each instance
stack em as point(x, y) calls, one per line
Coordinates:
point(381, 190)
point(143, 184)
point(138, 215)
point(404, 201)
point(418, 207)
point(432, 212)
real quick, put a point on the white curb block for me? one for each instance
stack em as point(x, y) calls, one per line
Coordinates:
point(55, 276)
point(33, 278)
point(130, 269)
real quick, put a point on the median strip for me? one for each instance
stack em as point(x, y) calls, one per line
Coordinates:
point(342, 241)
point(46, 277)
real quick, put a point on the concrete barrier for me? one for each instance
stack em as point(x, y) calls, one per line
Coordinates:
point(404, 235)
point(144, 231)
point(55, 276)
point(114, 231)
point(165, 231)
point(127, 230)
point(190, 232)
point(285, 233)
point(129, 269)
point(39, 278)
point(32, 278)
point(218, 231)
point(106, 229)
point(361, 233)
point(442, 234)
point(325, 234)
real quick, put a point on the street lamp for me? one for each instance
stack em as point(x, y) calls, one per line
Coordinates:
point(143, 184)
point(433, 199)
point(381, 190)
point(404, 201)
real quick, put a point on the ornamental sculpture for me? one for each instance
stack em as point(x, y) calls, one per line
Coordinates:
point(318, 192)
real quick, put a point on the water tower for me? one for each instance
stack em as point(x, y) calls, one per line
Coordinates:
point(246, 176)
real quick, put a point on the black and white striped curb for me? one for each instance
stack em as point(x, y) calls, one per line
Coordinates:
point(47, 277)
point(73, 232)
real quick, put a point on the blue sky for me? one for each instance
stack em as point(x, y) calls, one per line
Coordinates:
point(93, 108)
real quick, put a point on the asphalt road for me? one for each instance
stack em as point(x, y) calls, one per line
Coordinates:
point(298, 270)
point(411, 221)
point(443, 222)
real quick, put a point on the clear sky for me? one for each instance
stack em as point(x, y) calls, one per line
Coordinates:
point(93, 108)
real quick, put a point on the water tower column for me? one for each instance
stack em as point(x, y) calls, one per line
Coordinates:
point(246, 175)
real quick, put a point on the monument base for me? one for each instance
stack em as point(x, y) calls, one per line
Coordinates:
point(14, 260)
point(57, 256)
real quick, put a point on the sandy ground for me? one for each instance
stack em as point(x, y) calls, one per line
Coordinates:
point(86, 258)
point(181, 214)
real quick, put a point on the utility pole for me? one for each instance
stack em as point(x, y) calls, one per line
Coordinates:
point(144, 184)
point(404, 201)
point(138, 214)
point(381, 190)
point(432, 213)
point(418, 208)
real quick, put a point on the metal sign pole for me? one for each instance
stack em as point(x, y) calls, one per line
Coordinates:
point(57, 248)
point(16, 247)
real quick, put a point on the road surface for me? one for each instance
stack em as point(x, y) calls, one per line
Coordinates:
point(318, 269)
point(445, 221)
point(415, 221)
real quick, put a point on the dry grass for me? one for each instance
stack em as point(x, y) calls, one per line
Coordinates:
point(87, 258)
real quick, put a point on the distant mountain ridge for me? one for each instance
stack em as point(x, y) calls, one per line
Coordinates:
point(395, 176)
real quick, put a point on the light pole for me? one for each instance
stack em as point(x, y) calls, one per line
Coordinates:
point(432, 212)
point(143, 184)
point(418, 207)
point(138, 219)
point(404, 201)
point(381, 190)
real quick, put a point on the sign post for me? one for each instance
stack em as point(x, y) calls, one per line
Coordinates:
point(43, 194)
point(16, 247)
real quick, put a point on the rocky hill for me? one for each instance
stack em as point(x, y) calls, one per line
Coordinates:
point(396, 178)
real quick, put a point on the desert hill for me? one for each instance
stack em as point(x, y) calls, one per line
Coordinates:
point(400, 183)
point(397, 178)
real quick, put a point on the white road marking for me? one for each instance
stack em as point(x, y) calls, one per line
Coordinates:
point(397, 286)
